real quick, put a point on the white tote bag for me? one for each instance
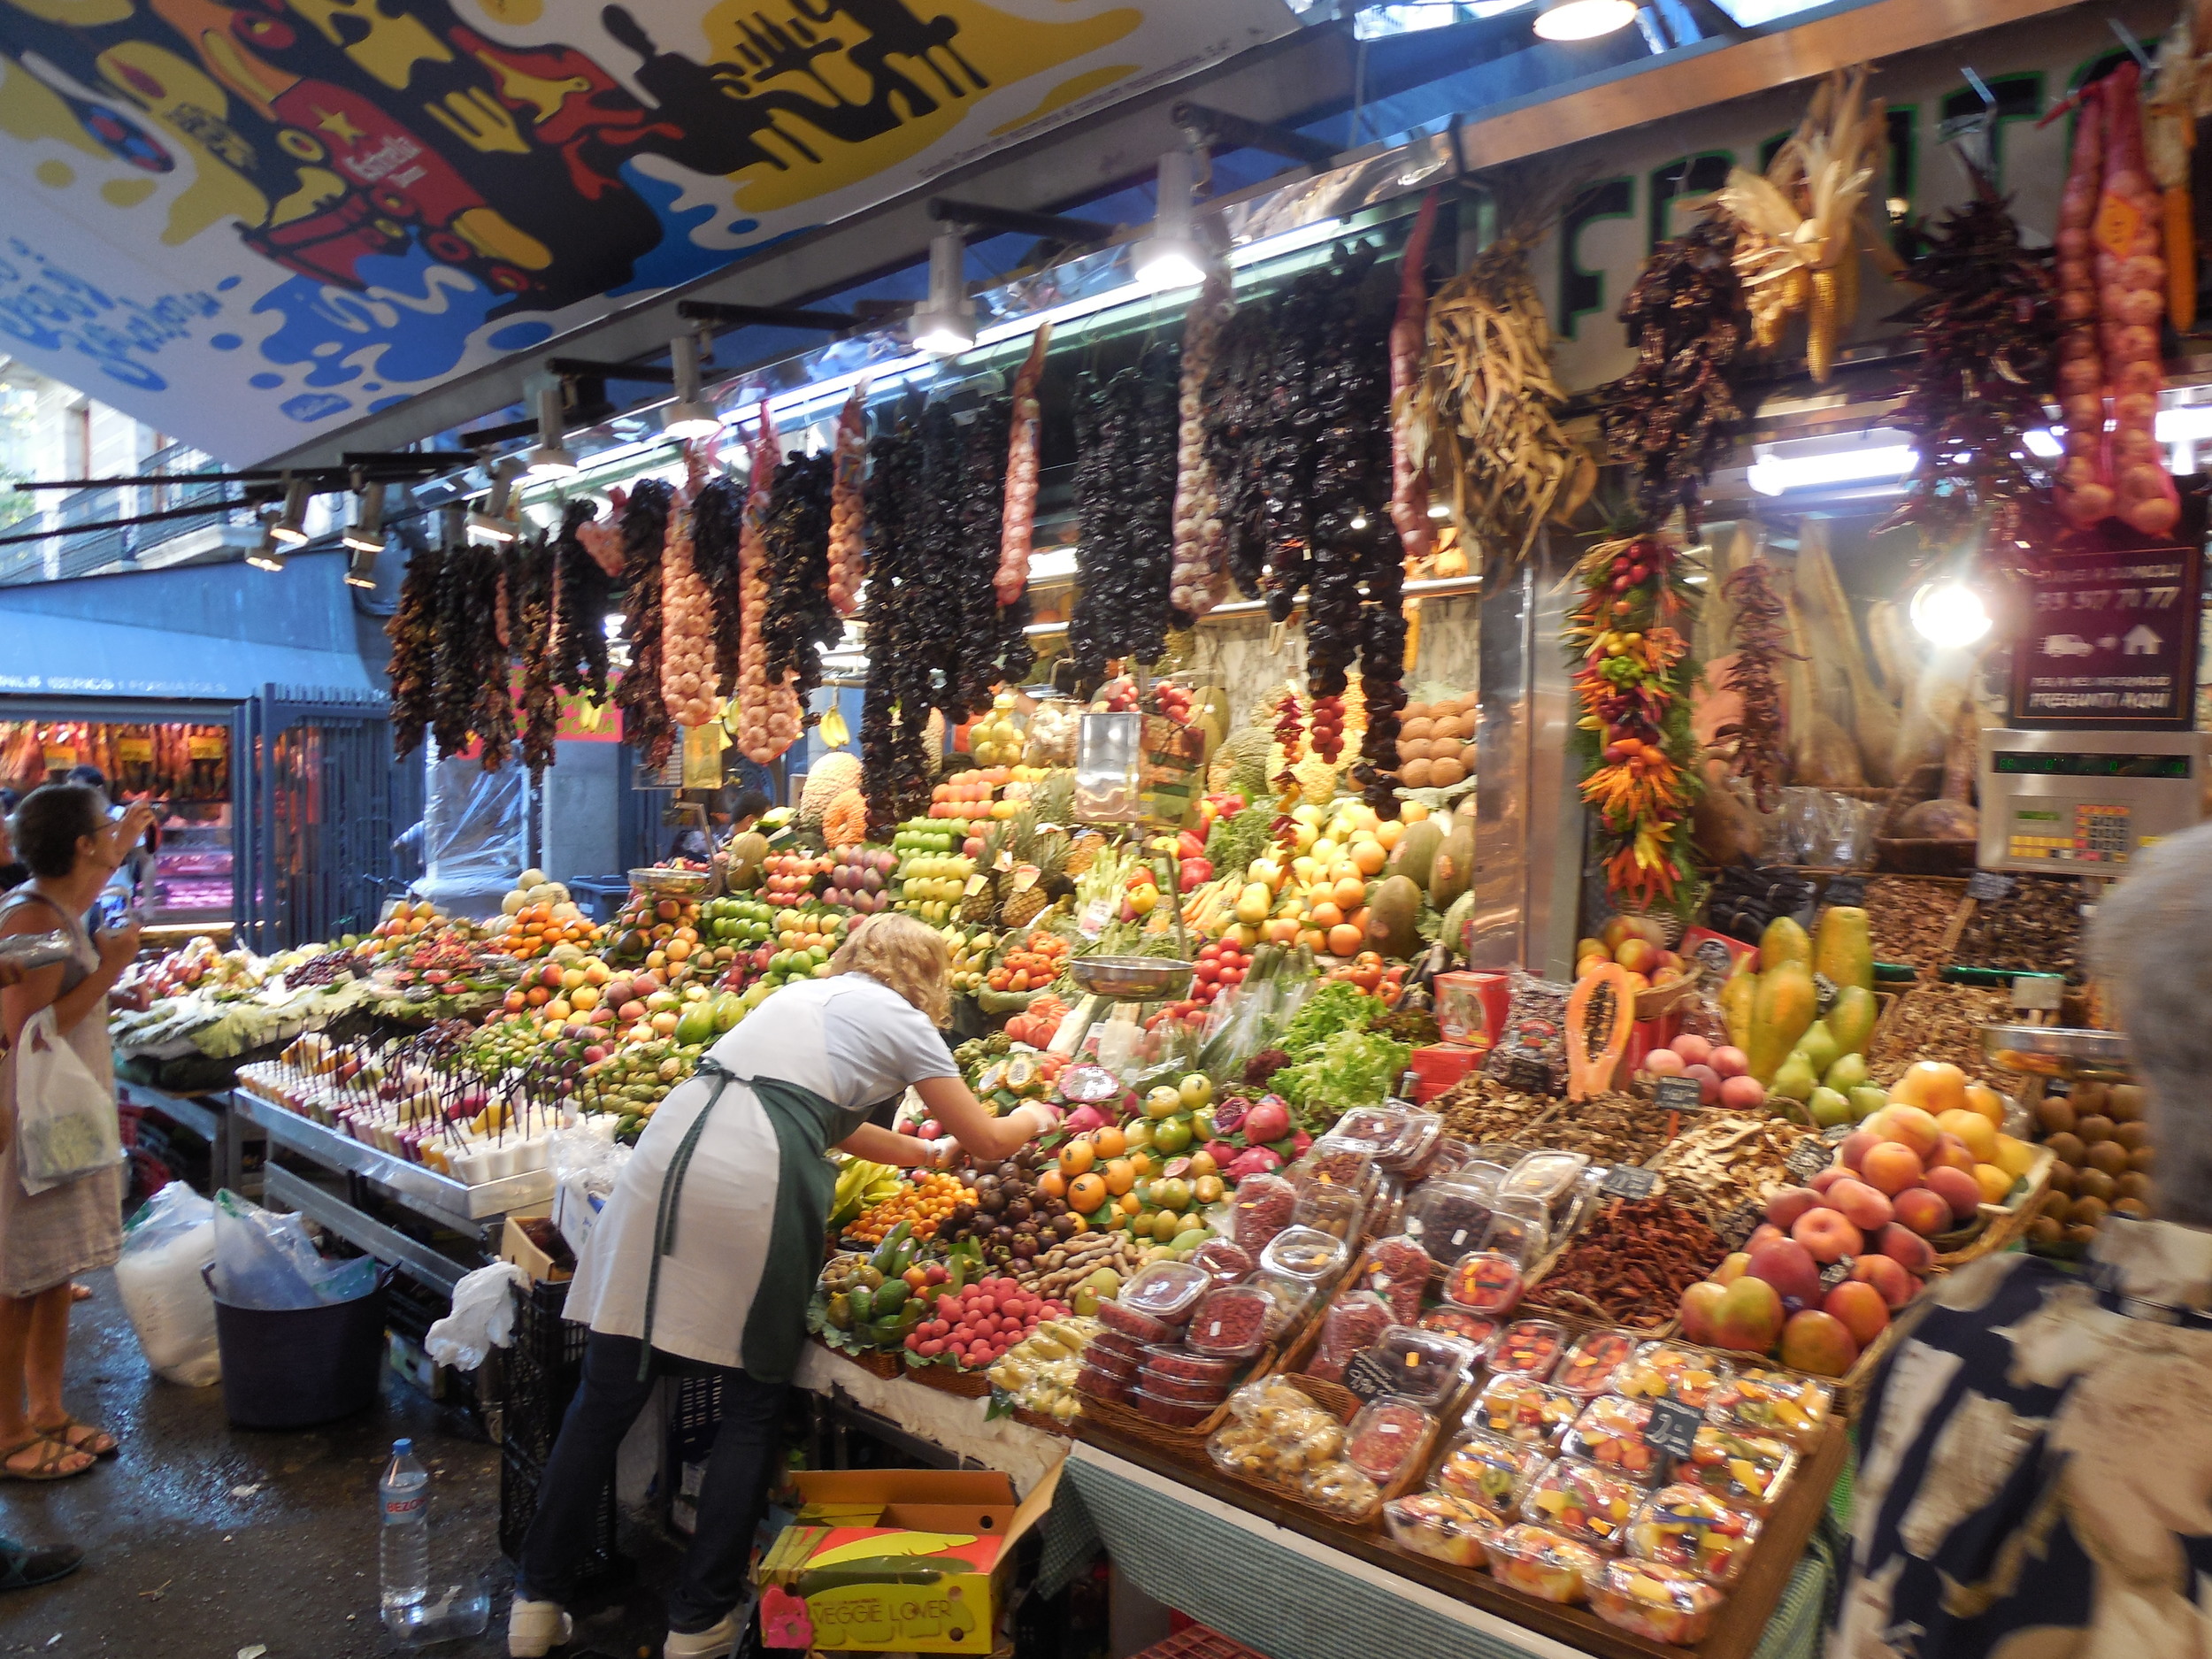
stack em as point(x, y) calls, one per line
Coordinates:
point(66, 1122)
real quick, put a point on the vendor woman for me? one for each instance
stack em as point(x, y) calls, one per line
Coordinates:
point(705, 1256)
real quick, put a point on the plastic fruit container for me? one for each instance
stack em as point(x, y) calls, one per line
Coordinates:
point(1674, 1371)
point(1583, 1501)
point(1175, 1414)
point(1610, 1433)
point(1447, 1217)
point(1339, 1489)
point(1490, 1470)
point(1291, 1298)
point(1099, 1385)
point(1305, 1253)
point(1262, 1207)
point(1528, 1348)
point(1760, 1399)
point(1231, 1323)
point(1687, 1527)
point(1591, 1364)
point(1387, 1438)
point(1224, 1261)
point(1539, 1562)
point(1655, 1600)
point(1166, 1291)
point(1746, 1470)
point(1469, 1327)
point(1338, 1160)
point(1354, 1320)
point(1397, 1269)
point(1423, 1366)
point(1371, 1129)
point(1326, 1207)
point(1521, 1408)
point(1519, 1227)
point(1416, 1144)
point(1211, 1392)
point(1115, 1365)
point(1484, 1281)
point(1114, 1342)
point(1141, 1328)
point(1548, 1178)
point(1438, 1525)
point(1180, 1362)
point(1265, 1400)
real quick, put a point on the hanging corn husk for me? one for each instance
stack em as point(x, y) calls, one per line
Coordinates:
point(1803, 221)
point(1486, 413)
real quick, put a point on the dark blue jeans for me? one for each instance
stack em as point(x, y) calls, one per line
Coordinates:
point(717, 1575)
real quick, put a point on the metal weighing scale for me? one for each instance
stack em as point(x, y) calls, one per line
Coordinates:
point(2075, 803)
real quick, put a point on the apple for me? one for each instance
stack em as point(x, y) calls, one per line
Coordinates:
point(1729, 1062)
point(1906, 1247)
point(1864, 1207)
point(1708, 1083)
point(1891, 1167)
point(1888, 1276)
point(1927, 1213)
point(1789, 1267)
point(1828, 1235)
point(1819, 1343)
point(1696, 1050)
point(1786, 1203)
point(1742, 1092)
point(1732, 1267)
point(1700, 1306)
point(1859, 1308)
point(1749, 1317)
point(1663, 1063)
point(1959, 1189)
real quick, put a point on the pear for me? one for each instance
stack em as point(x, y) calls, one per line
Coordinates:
point(1828, 1107)
point(1820, 1048)
point(1847, 1072)
point(1797, 1079)
point(1866, 1100)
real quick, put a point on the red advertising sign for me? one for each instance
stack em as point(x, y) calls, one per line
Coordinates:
point(2110, 640)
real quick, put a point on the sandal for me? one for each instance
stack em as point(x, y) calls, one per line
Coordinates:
point(80, 1293)
point(80, 1437)
point(23, 1567)
point(48, 1467)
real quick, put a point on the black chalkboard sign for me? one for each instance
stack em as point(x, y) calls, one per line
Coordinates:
point(1673, 1427)
point(1809, 1159)
point(1849, 890)
point(1679, 1094)
point(1368, 1375)
point(1626, 1180)
point(1987, 885)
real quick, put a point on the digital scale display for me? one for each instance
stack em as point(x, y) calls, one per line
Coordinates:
point(2072, 833)
point(2021, 763)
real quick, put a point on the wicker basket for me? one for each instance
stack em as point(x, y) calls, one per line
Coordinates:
point(875, 1362)
point(1924, 857)
point(950, 1380)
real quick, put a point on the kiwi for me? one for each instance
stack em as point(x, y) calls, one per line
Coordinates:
point(2062, 1177)
point(2081, 1234)
point(2095, 1127)
point(2125, 1102)
point(2087, 1212)
point(2092, 1186)
point(2046, 1231)
point(2132, 1135)
point(2068, 1148)
point(2056, 1114)
point(2145, 1158)
point(2134, 1207)
point(2110, 1156)
point(2088, 1095)
point(2134, 1183)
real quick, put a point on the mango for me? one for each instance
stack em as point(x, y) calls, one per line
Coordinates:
point(1781, 1012)
point(1843, 950)
point(1852, 1018)
point(1784, 941)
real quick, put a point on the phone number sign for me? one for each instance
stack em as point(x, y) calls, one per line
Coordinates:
point(2110, 640)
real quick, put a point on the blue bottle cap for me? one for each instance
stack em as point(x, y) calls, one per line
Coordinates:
point(400, 1449)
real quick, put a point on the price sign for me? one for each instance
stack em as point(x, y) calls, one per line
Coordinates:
point(1985, 886)
point(1673, 1427)
point(1845, 890)
point(1823, 995)
point(1835, 1274)
point(1808, 1160)
point(1368, 1375)
point(2110, 640)
point(1528, 1077)
point(2040, 993)
point(1740, 1223)
point(1679, 1094)
point(1626, 1180)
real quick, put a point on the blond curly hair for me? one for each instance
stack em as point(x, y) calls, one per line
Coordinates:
point(900, 952)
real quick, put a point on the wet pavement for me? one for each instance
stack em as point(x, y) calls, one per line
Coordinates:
point(204, 1541)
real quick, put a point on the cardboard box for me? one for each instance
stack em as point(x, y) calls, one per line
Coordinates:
point(515, 1247)
point(917, 1561)
point(576, 1208)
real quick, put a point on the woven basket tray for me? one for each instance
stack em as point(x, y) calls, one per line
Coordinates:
point(948, 1379)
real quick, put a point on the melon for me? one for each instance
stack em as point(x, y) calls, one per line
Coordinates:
point(748, 852)
point(832, 775)
point(1453, 871)
point(1394, 916)
point(1415, 851)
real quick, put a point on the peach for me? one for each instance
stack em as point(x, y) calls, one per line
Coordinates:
point(1663, 1063)
point(1933, 1085)
point(1828, 1178)
point(1733, 1268)
point(1701, 1305)
point(1859, 1308)
point(1906, 1247)
point(1749, 1317)
point(1927, 1213)
point(1979, 1133)
point(1743, 1092)
point(1861, 1205)
point(1765, 1233)
point(1638, 955)
point(1708, 1083)
point(1819, 1343)
point(1827, 1235)
point(1730, 1061)
point(1789, 1267)
point(1950, 1153)
point(1986, 1101)
point(1856, 1145)
point(1888, 1276)
point(1786, 1203)
point(1908, 1126)
point(1890, 1168)
point(1959, 1189)
point(1694, 1049)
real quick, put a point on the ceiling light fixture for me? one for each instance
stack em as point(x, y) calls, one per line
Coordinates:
point(364, 538)
point(691, 417)
point(495, 522)
point(269, 556)
point(1171, 257)
point(1583, 19)
point(552, 458)
point(946, 326)
point(1949, 614)
point(291, 527)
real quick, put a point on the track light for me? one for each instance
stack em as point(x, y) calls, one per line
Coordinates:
point(690, 417)
point(291, 527)
point(1171, 257)
point(1583, 19)
point(497, 522)
point(946, 326)
point(365, 538)
point(1949, 614)
point(269, 556)
point(551, 458)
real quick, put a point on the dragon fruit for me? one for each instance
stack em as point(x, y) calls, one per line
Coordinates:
point(1252, 1161)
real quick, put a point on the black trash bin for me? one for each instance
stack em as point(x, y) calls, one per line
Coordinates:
point(292, 1367)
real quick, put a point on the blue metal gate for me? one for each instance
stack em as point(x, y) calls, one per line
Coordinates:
point(316, 800)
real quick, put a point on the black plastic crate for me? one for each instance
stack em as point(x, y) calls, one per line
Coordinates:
point(694, 1418)
point(520, 1478)
point(543, 1368)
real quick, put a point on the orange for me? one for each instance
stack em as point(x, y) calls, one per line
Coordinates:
point(1343, 940)
point(1350, 893)
point(1111, 1143)
point(1075, 1158)
point(1121, 1175)
point(1325, 915)
point(1086, 1193)
point(1369, 857)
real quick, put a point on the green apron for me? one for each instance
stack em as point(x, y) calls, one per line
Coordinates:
point(806, 1127)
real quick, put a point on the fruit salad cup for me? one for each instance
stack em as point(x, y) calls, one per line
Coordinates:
point(1674, 1371)
point(1764, 1402)
point(1655, 1600)
point(1610, 1433)
point(1582, 1501)
point(1528, 1348)
point(1438, 1525)
point(1521, 1408)
point(1489, 1469)
point(1687, 1527)
point(1591, 1364)
point(1484, 1281)
point(1469, 1327)
point(1746, 1470)
point(1389, 1438)
point(1541, 1563)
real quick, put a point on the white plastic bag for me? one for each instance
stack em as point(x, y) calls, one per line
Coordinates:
point(483, 1317)
point(64, 1117)
point(165, 1246)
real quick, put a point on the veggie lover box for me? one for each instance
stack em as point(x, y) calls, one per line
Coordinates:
point(903, 1560)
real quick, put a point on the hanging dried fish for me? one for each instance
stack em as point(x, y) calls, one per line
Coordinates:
point(413, 634)
point(646, 726)
point(585, 596)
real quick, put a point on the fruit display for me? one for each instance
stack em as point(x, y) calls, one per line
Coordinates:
point(860, 879)
point(2103, 1159)
point(1450, 1528)
point(1655, 1600)
point(1436, 743)
point(977, 1326)
point(1539, 1562)
point(1276, 1437)
point(1038, 1373)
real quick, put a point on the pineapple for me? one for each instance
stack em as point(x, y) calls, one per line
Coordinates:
point(1053, 795)
point(1039, 858)
point(979, 906)
point(1083, 852)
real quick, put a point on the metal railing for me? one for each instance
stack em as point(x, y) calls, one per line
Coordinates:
point(61, 554)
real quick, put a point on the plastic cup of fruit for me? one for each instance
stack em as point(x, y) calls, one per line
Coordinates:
point(1439, 1524)
point(1484, 1281)
point(1746, 1470)
point(1231, 1322)
point(1521, 1408)
point(1397, 1269)
point(1590, 1365)
point(1166, 1291)
point(1676, 1371)
point(1423, 1366)
point(1224, 1261)
point(1387, 1437)
point(1354, 1320)
point(1468, 1327)
point(1168, 1410)
point(1687, 1527)
point(1262, 1207)
point(1759, 1400)
point(1134, 1322)
point(1610, 1433)
point(1652, 1599)
point(1539, 1562)
point(1116, 1343)
point(1528, 1348)
point(1305, 1253)
point(1118, 1366)
point(1582, 1501)
point(1339, 1489)
point(1096, 1384)
point(1489, 1470)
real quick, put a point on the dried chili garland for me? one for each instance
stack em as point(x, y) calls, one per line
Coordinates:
point(494, 720)
point(454, 653)
point(895, 710)
point(645, 723)
point(1124, 485)
point(981, 500)
point(585, 597)
point(413, 634)
point(1759, 634)
point(717, 514)
point(1629, 638)
point(530, 602)
point(800, 621)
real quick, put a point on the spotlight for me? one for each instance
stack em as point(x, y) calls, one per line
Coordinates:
point(1171, 257)
point(495, 522)
point(1949, 614)
point(364, 538)
point(691, 417)
point(551, 458)
point(1583, 19)
point(946, 326)
point(270, 555)
point(290, 527)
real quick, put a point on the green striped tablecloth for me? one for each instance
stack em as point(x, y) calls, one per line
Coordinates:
point(1290, 1597)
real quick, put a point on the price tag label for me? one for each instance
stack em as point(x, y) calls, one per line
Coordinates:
point(1808, 1160)
point(1986, 885)
point(1368, 1375)
point(1835, 1274)
point(1673, 1427)
point(1679, 1094)
point(1823, 995)
point(1095, 914)
point(2040, 991)
point(1626, 1180)
point(1845, 890)
point(1740, 1223)
point(1529, 1077)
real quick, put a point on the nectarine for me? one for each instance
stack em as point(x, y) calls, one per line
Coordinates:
point(1828, 1235)
point(1925, 1213)
point(1819, 1343)
point(1958, 1188)
point(1891, 1167)
point(1859, 1308)
point(1861, 1205)
point(1789, 1267)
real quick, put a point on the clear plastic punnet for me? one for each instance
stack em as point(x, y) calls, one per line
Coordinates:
point(1436, 1523)
point(1523, 1408)
point(1687, 1527)
point(1529, 1348)
point(1610, 1433)
point(1547, 1565)
point(1656, 1601)
point(1594, 1361)
point(1230, 1323)
point(1306, 1254)
point(1426, 1367)
point(1583, 1502)
point(1388, 1437)
point(1484, 1281)
point(1489, 1469)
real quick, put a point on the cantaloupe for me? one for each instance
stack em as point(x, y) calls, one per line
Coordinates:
point(1394, 916)
point(748, 853)
point(1415, 852)
point(834, 774)
point(1454, 869)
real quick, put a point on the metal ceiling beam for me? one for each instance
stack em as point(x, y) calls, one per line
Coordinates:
point(764, 315)
point(1221, 130)
point(1282, 80)
point(1066, 230)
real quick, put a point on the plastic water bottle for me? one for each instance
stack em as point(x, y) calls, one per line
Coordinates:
point(414, 1610)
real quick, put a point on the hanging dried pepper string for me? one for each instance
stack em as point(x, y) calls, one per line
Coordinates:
point(1759, 633)
point(1629, 636)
